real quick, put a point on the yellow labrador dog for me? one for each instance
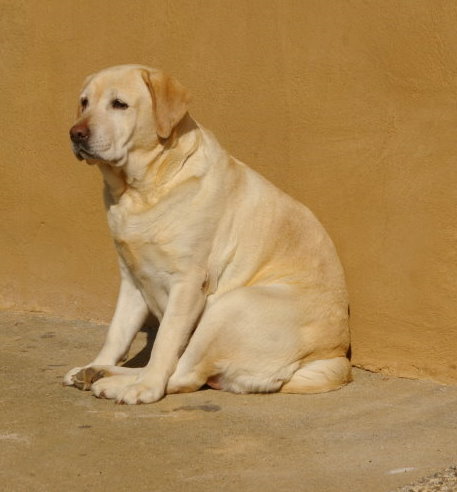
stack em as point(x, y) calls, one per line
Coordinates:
point(244, 280)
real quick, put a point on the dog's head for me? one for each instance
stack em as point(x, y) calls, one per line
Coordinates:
point(125, 109)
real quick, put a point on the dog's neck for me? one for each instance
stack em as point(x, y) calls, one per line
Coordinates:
point(148, 172)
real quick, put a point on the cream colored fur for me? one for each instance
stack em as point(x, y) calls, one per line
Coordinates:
point(244, 280)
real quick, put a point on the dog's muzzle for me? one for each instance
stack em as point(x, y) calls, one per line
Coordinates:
point(80, 134)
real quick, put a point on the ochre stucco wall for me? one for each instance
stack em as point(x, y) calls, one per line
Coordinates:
point(349, 106)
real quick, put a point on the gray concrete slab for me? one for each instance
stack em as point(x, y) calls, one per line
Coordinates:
point(377, 434)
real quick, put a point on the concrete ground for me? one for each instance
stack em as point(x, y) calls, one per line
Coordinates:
point(377, 434)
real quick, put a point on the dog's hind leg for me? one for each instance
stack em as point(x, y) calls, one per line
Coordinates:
point(319, 376)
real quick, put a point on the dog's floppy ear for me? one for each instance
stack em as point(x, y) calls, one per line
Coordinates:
point(170, 101)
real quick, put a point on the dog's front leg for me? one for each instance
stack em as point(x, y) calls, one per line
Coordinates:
point(129, 316)
point(185, 304)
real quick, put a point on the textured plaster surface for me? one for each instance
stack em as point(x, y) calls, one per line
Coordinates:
point(349, 106)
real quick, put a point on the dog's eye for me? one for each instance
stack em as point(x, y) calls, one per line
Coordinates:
point(118, 104)
point(84, 103)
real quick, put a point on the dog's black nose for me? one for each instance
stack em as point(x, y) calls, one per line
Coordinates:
point(80, 132)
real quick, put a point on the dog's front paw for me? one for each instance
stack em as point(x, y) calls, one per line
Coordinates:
point(83, 377)
point(140, 393)
point(68, 379)
point(127, 389)
point(111, 387)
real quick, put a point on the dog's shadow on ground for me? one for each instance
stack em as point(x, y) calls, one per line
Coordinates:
point(150, 327)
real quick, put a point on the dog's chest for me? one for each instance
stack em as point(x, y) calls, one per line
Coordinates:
point(146, 243)
point(154, 242)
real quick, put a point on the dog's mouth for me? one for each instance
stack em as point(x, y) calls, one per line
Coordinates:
point(82, 153)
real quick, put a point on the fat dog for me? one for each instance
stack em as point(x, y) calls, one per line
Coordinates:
point(244, 280)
